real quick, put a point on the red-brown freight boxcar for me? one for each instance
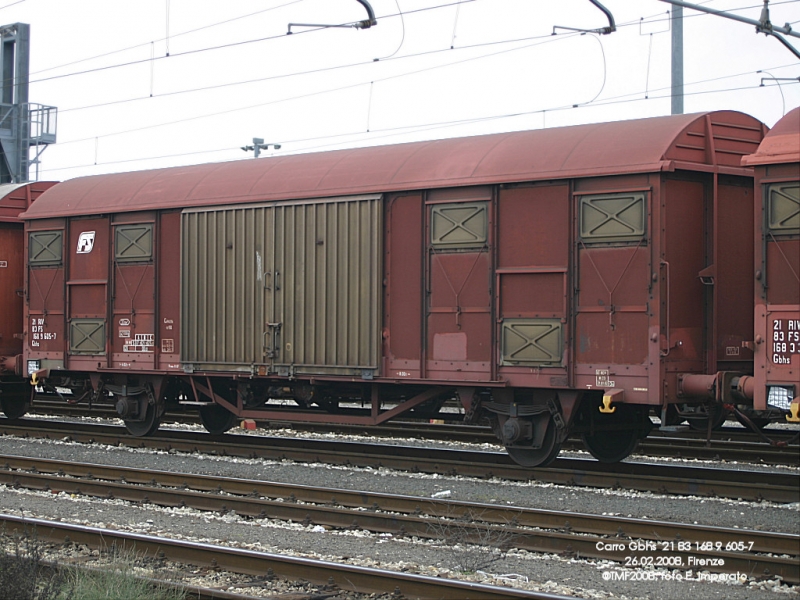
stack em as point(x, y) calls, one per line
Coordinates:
point(554, 281)
point(15, 198)
point(776, 340)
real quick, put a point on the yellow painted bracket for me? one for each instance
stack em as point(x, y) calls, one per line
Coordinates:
point(35, 380)
point(794, 409)
point(607, 408)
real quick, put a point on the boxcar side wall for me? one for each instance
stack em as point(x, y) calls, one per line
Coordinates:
point(532, 284)
point(14, 200)
point(777, 285)
point(404, 305)
point(685, 309)
point(616, 286)
point(733, 253)
point(45, 322)
point(459, 244)
point(92, 289)
point(133, 256)
point(607, 283)
point(11, 286)
point(87, 281)
point(555, 282)
point(587, 289)
point(168, 290)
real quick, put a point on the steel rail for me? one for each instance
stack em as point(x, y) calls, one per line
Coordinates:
point(673, 479)
point(236, 560)
point(725, 444)
point(565, 533)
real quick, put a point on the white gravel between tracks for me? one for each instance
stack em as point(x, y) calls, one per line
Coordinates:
point(549, 573)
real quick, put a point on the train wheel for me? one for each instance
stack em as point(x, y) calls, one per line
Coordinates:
point(611, 446)
point(704, 412)
point(216, 419)
point(15, 406)
point(537, 457)
point(613, 437)
point(147, 427)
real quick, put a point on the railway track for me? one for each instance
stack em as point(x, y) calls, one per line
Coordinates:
point(188, 591)
point(671, 479)
point(682, 546)
point(727, 444)
point(345, 577)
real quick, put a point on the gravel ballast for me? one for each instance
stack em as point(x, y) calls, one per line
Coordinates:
point(582, 578)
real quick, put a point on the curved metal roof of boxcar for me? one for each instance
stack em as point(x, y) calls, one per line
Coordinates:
point(781, 144)
point(16, 198)
point(642, 145)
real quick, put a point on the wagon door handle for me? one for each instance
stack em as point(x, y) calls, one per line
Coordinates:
point(273, 329)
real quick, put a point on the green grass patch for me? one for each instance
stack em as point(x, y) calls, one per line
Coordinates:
point(25, 574)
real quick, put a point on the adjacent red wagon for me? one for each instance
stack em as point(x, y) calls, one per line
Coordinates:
point(15, 198)
point(571, 279)
point(777, 268)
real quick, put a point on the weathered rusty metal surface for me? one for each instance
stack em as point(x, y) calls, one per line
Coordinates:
point(531, 278)
point(780, 145)
point(730, 277)
point(87, 281)
point(15, 198)
point(11, 276)
point(132, 330)
point(168, 290)
point(46, 309)
point(589, 257)
point(776, 268)
point(403, 308)
point(716, 140)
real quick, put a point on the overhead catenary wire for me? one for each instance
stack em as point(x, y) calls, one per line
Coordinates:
point(248, 15)
point(402, 35)
point(605, 70)
point(216, 47)
point(660, 16)
point(649, 56)
point(456, 3)
point(446, 124)
point(780, 89)
point(371, 81)
point(318, 71)
point(174, 35)
point(166, 38)
point(455, 26)
point(11, 4)
point(326, 91)
point(538, 41)
point(326, 69)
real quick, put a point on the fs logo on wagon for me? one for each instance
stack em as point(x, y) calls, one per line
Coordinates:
point(86, 242)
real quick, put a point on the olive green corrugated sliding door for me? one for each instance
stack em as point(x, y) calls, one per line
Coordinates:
point(293, 287)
